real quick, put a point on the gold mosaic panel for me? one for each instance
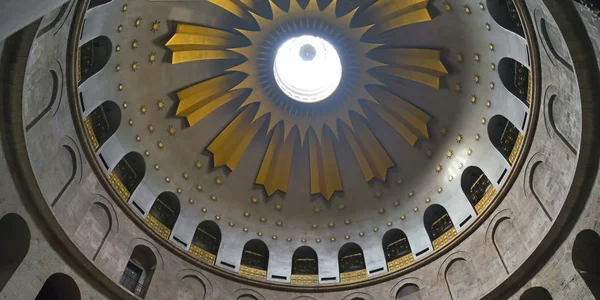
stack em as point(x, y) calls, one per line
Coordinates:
point(353, 276)
point(91, 134)
point(529, 87)
point(444, 239)
point(202, 254)
point(78, 66)
point(125, 194)
point(305, 279)
point(485, 200)
point(253, 273)
point(159, 227)
point(515, 151)
point(400, 263)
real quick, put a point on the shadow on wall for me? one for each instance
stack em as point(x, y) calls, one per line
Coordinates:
point(409, 292)
point(536, 293)
point(59, 287)
point(14, 245)
point(586, 259)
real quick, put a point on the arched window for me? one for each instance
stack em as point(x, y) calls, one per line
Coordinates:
point(305, 266)
point(206, 241)
point(536, 293)
point(59, 287)
point(586, 259)
point(14, 245)
point(102, 123)
point(396, 249)
point(505, 137)
point(477, 187)
point(139, 270)
point(505, 13)
point(409, 292)
point(163, 214)
point(128, 174)
point(92, 57)
point(438, 225)
point(255, 260)
point(352, 263)
point(515, 78)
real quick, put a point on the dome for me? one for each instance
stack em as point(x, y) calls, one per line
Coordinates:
point(334, 149)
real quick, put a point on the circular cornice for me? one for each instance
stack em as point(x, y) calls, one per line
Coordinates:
point(90, 154)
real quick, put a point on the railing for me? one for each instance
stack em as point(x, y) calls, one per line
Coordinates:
point(90, 130)
point(133, 285)
point(305, 279)
point(253, 273)
point(353, 276)
point(400, 262)
point(125, 194)
point(159, 227)
point(444, 239)
point(202, 254)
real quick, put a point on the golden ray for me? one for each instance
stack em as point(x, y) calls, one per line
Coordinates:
point(324, 172)
point(285, 121)
point(370, 155)
point(232, 142)
point(274, 173)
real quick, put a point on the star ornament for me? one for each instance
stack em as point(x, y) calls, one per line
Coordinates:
point(289, 122)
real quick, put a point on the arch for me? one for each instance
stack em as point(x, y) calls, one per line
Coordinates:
point(247, 294)
point(554, 114)
point(255, 259)
point(305, 261)
point(191, 288)
point(14, 245)
point(94, 3)
point(70, 157)
point(102, 123)
point(395, 247)
point(505, 14)
point(476, 185)
point(409, 291)
point(504, 135)
point(406, 281)
point(351, 261)
point(536, 293)
point(139, 270)
point(128, 174)
point(358, 296)
point(53, 97)
point(93, 230)
point(59, 286)
point(515, 78)
point(438, 225)
point(93, 57)
point(553, 41)
point(508, 243)
point(163, 213)
point(460, 279)
point(586, 260)
point(208, 239)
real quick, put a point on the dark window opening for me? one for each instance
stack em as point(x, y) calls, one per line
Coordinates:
point(305, 261)
point(207, 237)
point(130, 171)
point(503, 135)
point(166, 209)
point(474, 184)
point(93, 57)
point(437, 221)
point(255, 255)
point(395, 245)
point(351, 258)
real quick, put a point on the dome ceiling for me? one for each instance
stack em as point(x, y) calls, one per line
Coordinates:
point(198, 103)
